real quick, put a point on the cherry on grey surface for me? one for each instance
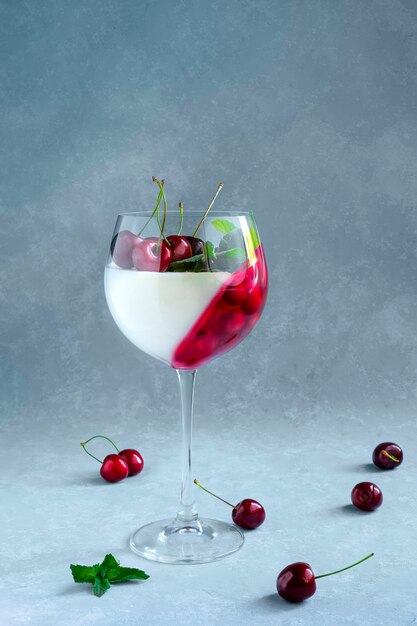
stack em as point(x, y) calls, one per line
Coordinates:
point(305, 111)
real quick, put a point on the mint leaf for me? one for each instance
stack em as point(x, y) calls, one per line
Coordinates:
point(101, 585)
point(254, 237)
point(194, 263)
point(109, 567)
point(84, 573)
point(234, 253)
point(224, 226)
point(102, 575)
point(209, 251)
point(207, 260)
point(129, 573)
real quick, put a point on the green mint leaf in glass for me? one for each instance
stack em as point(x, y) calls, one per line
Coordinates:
point(233, 239)
point(254, 237)
point(84, 573)
point(209, 251)
point(224, 226)
point(101, 585)
point(129, 573)
point(253, 232)
point(230, 260)
point(193, 264)
point(102, 575)
point(235, 253)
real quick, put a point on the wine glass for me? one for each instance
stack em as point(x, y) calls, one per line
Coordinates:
point(186, 299)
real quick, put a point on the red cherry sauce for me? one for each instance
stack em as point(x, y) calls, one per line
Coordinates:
point(230, 316)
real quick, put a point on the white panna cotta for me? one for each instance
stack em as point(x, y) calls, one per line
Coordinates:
point(156, 310)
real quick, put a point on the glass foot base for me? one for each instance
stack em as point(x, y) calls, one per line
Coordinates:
point(175, 541)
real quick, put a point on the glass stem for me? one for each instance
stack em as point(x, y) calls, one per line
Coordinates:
point(187, 511)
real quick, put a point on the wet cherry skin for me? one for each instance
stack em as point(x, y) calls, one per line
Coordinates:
point(253, 301)
point(114, 468)
point(382, 460)
point(197, 245)
point(229, 326)
point(122, 248)
point(134, 460)
point(237, 290)
point(151, 255)
point(248, 514)
point(180, 248)
point(296, 582)
point(366, 496)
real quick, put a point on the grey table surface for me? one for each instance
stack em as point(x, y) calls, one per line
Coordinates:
point(300, 463)
point(306, 110)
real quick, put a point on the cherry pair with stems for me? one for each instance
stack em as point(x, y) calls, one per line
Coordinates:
point(116, 467)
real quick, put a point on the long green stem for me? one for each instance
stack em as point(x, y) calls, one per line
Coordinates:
point(84, 443)
point(161, 191)
point(181, 208)
point(345, 568)
point(213, 200)
point(162, 226)
point(158, 202)
point(213, 494)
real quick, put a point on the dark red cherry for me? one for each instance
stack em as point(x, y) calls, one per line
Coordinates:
point(231, 324)
point(253, 301)
point(248, 514)
point(387, 455)
point(114, 468)
point(197, 245)
point(236, 291)
point(180, 248)
point(296, 582)
point(203, 347)
point(207, 340)
point(122, 248)
point(151, 255)
point(134, 460)
point(366, 496)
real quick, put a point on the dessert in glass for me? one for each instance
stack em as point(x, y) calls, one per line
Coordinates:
point(185, 299)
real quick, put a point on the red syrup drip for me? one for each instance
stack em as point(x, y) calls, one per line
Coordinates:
point(229, 318)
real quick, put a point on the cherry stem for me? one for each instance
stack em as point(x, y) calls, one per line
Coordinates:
point(84, 443)
point(345, 568)
point(181, 208)
point(162, 226)
point(390, 456)
point(213, 200)
point(213, 494)
point(158, 202)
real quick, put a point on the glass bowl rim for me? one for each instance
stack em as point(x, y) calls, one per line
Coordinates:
point(192, 212)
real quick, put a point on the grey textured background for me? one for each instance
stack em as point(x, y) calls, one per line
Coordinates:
point(307, 112)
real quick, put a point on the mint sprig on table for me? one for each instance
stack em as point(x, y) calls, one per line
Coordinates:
point(105, 574)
